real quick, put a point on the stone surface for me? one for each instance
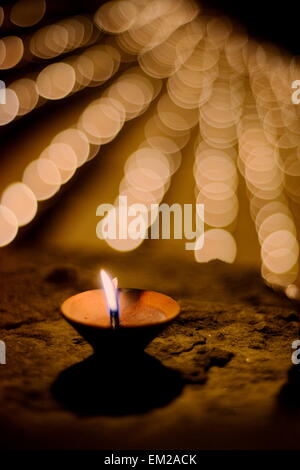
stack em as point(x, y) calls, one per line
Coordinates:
point(220, 376)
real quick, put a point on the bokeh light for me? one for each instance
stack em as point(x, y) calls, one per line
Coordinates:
point(26, 13)
point(27, 94)
point(9, 109)
point(218, 244)
point(43, 178)
point(20, 199)
point(8, 225)
point(212, 83)
point(56, 81)
point(11, 51)
point(116, 16)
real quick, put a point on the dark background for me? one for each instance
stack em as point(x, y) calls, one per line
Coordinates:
point(271, 21)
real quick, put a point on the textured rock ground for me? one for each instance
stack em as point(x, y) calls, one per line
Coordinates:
point(219, 377)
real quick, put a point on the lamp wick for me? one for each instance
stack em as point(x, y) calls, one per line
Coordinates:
point(114, 318)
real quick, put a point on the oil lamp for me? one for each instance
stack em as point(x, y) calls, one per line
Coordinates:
point(119, 321)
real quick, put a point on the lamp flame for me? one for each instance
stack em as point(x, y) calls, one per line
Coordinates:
point(110, 287)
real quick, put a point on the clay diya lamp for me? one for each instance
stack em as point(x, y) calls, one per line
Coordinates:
point(119, 321)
